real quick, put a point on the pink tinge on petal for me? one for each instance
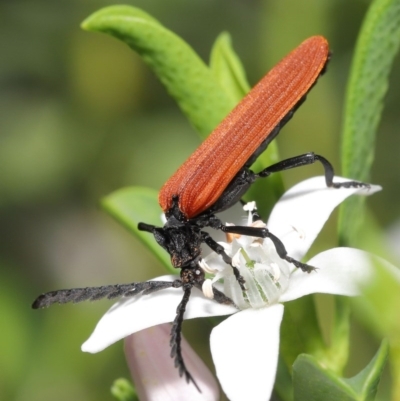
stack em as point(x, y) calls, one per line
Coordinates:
point(153, 372)
point(302, 211)
point(245, 350)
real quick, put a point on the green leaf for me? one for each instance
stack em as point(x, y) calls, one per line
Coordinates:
point(133, 205)
point(379, 306)
point(395, 368)
point(228, 68)
point(377, 45)
point(283, 382)
point(379, 309)
point(312, 382)
point(338, 350)
point(300, 332)
point(123, 390)
point(365, 383)
point(186, 77)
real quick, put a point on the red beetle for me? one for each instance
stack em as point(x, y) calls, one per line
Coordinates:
point(215, 177)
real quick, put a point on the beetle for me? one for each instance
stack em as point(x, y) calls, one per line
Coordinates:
point(215, 177)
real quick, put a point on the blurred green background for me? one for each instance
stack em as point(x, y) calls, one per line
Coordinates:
point(82, 116)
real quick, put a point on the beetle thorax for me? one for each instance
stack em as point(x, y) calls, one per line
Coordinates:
point(182, 241)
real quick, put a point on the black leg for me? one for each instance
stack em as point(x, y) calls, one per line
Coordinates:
point(176, 337)
point(146, 227)
point(265, 233)
point(95, 293)
point(305, 160)
point(228, 260)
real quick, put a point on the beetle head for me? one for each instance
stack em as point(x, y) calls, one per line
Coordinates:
point(182, 242)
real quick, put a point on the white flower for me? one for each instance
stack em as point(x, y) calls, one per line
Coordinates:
point(245, 346)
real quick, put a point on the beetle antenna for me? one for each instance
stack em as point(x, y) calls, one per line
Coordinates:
point(176, 338)
point(76, 295)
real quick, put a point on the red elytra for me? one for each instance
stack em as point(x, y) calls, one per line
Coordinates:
point(202, 178)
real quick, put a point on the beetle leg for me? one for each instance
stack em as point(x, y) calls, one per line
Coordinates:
point(305, 160)
point(261, 232)
point(219, 249)
point(176, 337)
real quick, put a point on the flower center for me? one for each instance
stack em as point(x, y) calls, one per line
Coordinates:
point(266, 275)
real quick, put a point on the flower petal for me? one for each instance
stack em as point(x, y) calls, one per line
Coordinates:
point(153, 372)
point(302, 211)
point(340, 271)
point(139, 312)
point(245, 352)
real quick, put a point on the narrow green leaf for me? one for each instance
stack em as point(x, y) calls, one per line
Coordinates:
point(338, 351)
point(379, 306)
point(122, 390)
point(377, 45)
point(300, 332)
point(395, 368)
point(283, 382)
point(186, 77)
point(228, 68)
point(133, 205)
point(379, 309)
point(365, 383)
point(312, 382)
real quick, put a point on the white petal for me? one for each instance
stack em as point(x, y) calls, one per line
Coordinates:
point(153, 372)
point(340, 271)
point(141, 311)
point(245, 349)
point(302, 211)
